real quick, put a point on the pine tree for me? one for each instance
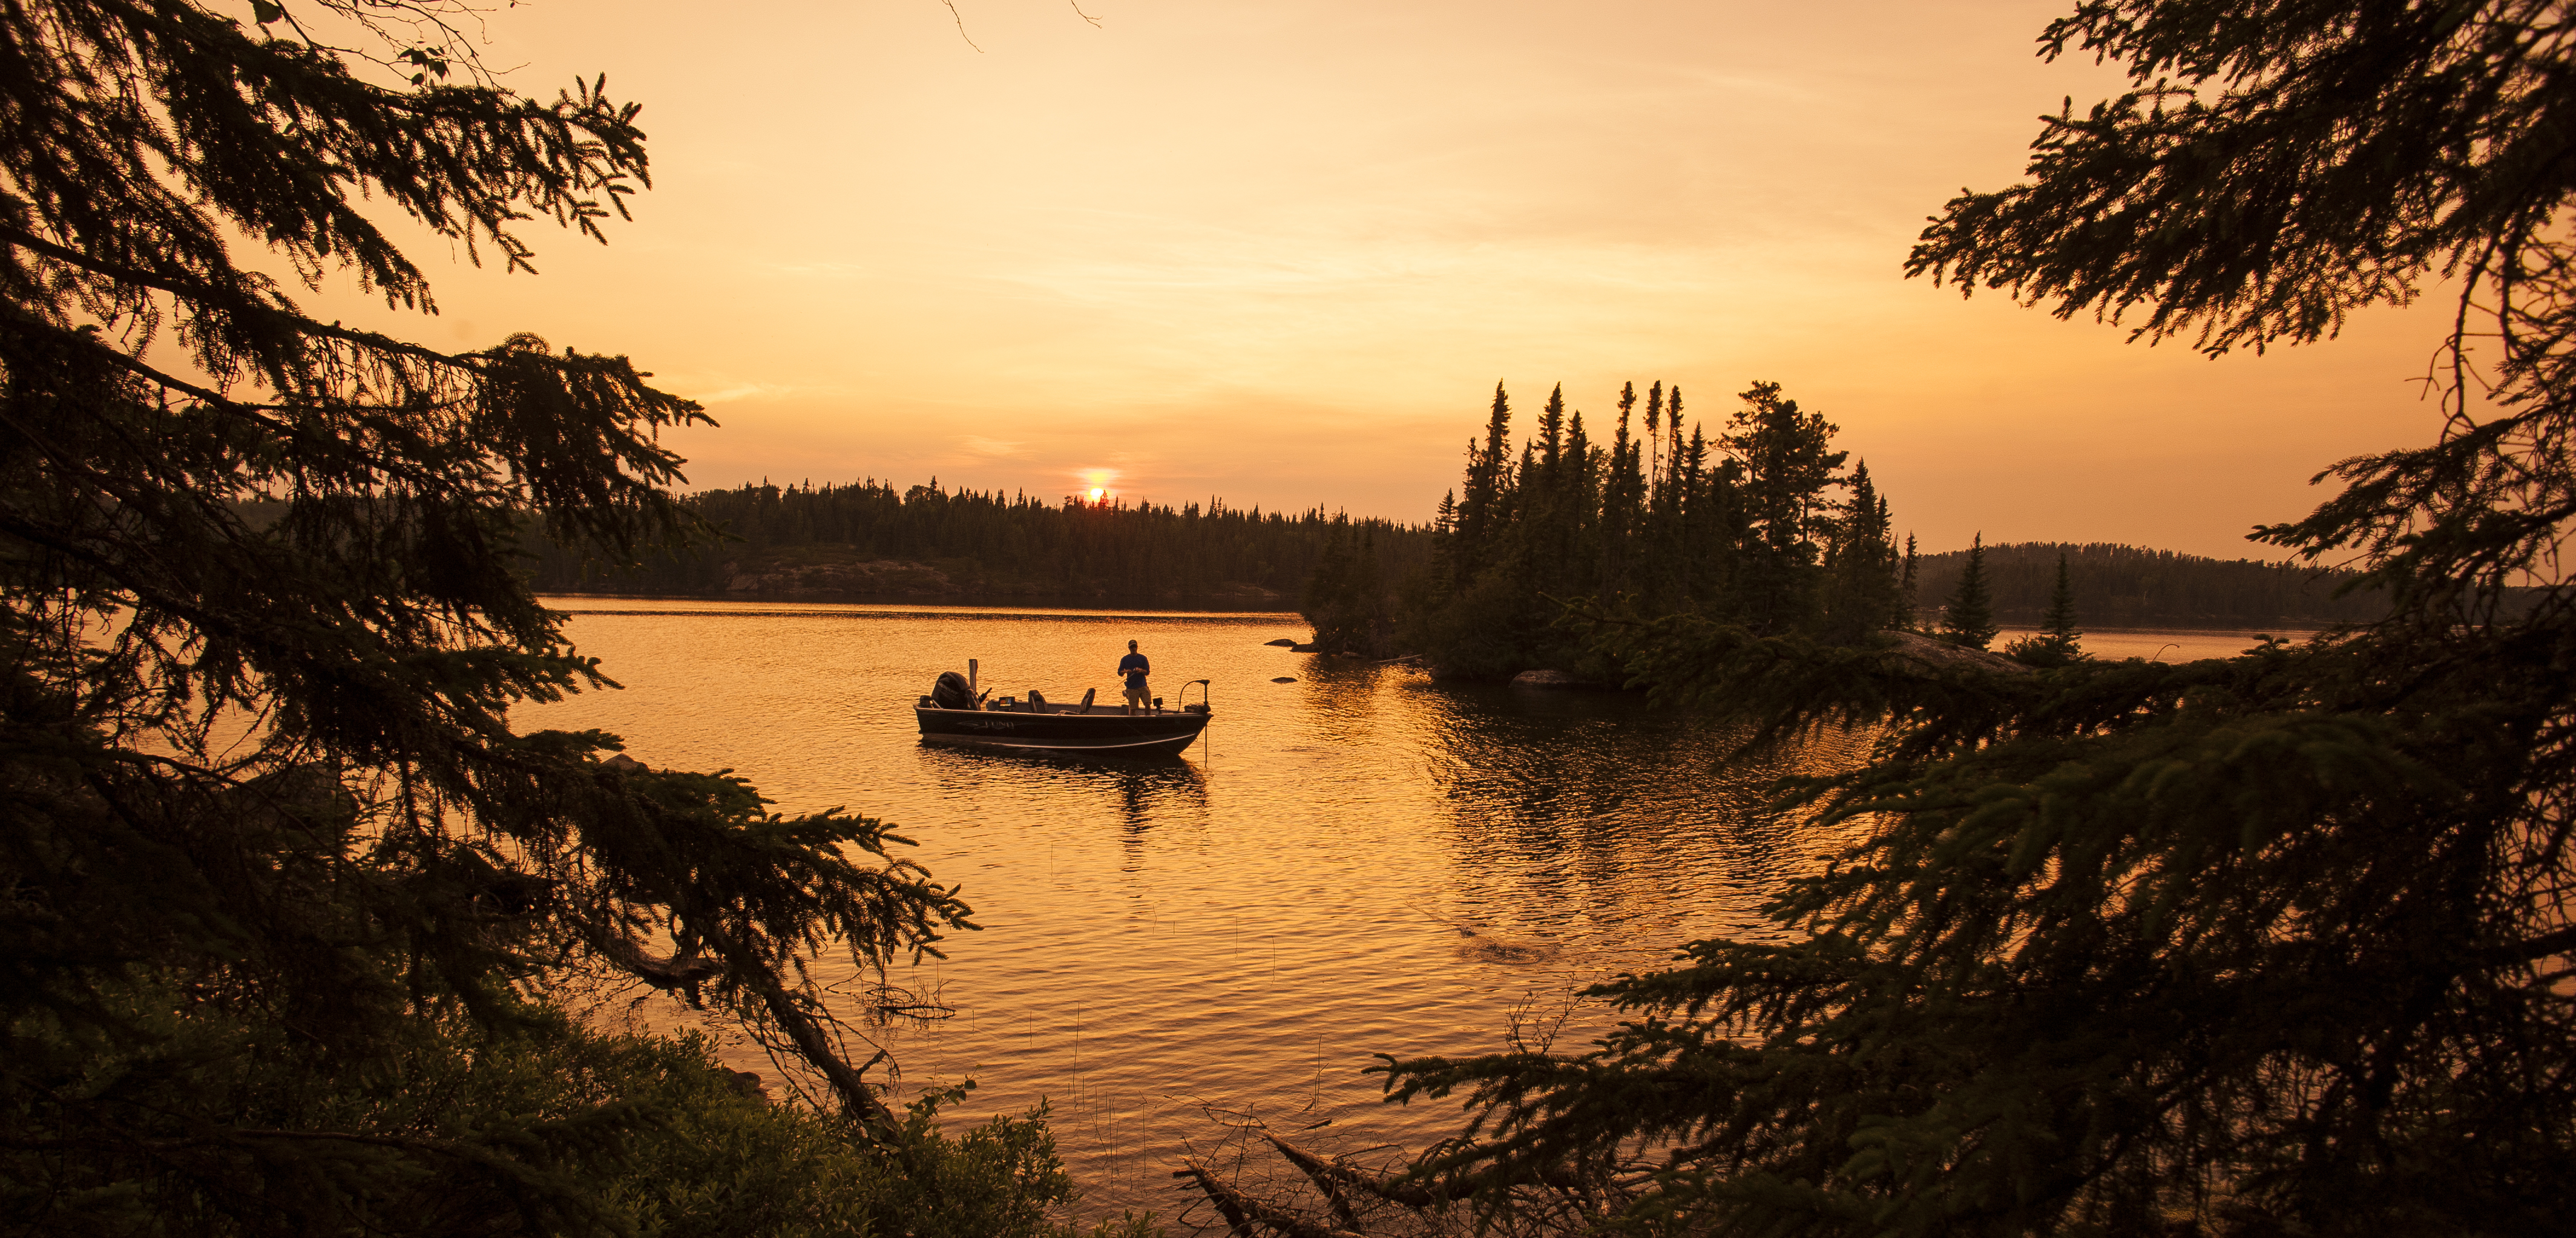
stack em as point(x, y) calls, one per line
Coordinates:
point(1907, 606)
point(1654, 439)
point(1861, 582)
point(271, 845)
point(1788, 461)
point(2255, 946)
point(1743, 535)
point(1969, 619)
point(1346, 597)
point(1483, 507)
point(2058, 641)
point(2058, 625)
point(1673, 427)
point(1620, 488)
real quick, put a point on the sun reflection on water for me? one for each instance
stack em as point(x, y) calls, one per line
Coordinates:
point(1354, 862)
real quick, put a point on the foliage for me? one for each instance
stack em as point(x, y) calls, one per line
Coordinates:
point(2254, 962)
point(1863, 588)
point(1654, 524)
point(1787, 464)
point(1346, 598)
point(2058, 640)
point(2134, 587)
point(985, 543)
point(2269, 945)
point(458, 1127)
point(1908, 587)
point(1969, 617)
point(270, 845)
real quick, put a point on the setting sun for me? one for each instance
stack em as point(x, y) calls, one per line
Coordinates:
point(1098, 494)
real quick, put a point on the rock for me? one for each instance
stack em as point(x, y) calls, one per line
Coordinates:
point(624, 764)
point(1309, 648)
point(1285, 679)
point(1283, 643)
point(1928, 654)
point(1480, 948)
point(1551, 679)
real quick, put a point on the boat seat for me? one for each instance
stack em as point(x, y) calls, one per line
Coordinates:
point(1038, 702)
point(1087, 694)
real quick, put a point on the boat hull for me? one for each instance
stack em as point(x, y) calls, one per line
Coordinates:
point(1107, 734)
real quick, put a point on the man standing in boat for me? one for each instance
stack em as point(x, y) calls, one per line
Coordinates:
point(1135, 668)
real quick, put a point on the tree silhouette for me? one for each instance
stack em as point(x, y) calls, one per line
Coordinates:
point(2254, 946)
point(2058, 641)
point(1969, 618)
point(275, 856)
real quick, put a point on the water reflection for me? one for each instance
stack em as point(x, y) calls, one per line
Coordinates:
point(1139, 793)
point(1243, 925)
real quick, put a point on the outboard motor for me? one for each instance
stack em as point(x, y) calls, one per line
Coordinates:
point(952, 692)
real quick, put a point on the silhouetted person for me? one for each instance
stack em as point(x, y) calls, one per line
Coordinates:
point(1135, 668)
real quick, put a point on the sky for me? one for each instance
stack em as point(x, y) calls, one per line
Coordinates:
point(1281, 254)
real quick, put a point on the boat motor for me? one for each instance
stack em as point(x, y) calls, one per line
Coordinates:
point(952, 691)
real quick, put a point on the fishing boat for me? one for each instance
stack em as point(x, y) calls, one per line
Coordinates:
point(954, 714)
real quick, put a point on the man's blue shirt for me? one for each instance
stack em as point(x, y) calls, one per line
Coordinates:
point(1133, 666)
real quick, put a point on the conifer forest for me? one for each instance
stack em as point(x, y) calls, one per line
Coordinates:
point(305, 929)
point(871, 541)
point(1764, 523)
point(2266, 945)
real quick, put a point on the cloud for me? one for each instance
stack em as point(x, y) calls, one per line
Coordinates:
point(993, 447)
point(742, 391)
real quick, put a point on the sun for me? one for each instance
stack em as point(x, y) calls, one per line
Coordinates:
point(1095, 484)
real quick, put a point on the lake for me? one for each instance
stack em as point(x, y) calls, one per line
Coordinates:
point(1359, 861)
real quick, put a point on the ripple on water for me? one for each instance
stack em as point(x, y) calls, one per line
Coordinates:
point(1237, 930)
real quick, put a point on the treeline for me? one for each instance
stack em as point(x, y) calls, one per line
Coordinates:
point(871, 539)
point(2118, 586)
point(1757, 524)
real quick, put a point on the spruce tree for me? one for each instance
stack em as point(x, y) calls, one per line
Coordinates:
point(1907, 607)
point(1862, 588)
point(1483, 504)
point(1969, 618)
point(2266, 945)
point(2058, 641)
point(272, 846)
point(1654, 436)
point(1673, 428)
point(2058, 625)
point(1345, 598)
point(1788, 462)
point(1620, 487)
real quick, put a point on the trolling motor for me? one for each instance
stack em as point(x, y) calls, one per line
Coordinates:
point(1186, 707)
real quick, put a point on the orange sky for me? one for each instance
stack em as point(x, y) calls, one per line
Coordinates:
point(1281, 253)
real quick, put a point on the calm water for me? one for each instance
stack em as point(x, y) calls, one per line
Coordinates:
point(1233, 932)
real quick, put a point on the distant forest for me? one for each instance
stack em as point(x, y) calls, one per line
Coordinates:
point(870, 541)
point(2119, 586)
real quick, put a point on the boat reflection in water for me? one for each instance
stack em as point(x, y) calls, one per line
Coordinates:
point(1240, 926)
point(953, 715)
